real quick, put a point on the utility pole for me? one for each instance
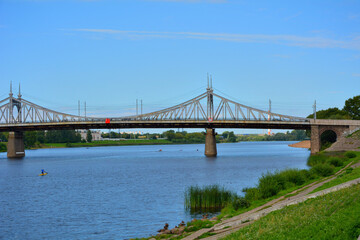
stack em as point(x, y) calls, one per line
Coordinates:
point(78, 107)
point(314, 107)
point(85, 108)
point(137, 111)
point(269, 130)
point(141, 112)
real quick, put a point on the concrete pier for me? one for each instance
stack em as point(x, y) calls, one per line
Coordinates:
point(210, 143)
point(15, 147)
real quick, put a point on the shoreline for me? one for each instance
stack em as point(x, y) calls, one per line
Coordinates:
point(301, 144)
point(138, 142)
point(219, 227)
point(131, 143)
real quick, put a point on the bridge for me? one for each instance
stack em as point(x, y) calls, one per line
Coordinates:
point(208, 110)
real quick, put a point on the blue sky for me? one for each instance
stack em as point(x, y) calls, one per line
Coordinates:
point(110, 52)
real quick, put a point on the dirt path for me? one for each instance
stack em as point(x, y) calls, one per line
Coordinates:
point(235, 223)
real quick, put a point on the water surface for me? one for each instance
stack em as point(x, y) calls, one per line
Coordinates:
point(123, 192)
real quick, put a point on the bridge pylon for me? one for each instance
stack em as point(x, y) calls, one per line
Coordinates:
point(15, 147)
point(210, 143)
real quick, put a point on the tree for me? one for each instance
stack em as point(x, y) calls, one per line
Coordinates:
point(352, 107)
point(3, 137)
point(61, 136)
point(331, 113)
point(30, 139)
point(88, 136)
point(170, 135)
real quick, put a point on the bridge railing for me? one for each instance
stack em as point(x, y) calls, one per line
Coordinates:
point(208, 106)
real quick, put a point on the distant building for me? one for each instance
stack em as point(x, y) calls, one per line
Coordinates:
point(96, 135)
point(132, 132)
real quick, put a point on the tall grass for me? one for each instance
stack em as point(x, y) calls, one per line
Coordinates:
point(271, 184)
point(207, 198)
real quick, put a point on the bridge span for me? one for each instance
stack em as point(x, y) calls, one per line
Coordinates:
point(208, 111)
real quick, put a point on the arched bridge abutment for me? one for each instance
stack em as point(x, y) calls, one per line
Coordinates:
point(318, 130)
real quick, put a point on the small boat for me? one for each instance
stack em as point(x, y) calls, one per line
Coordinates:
point(43, 174)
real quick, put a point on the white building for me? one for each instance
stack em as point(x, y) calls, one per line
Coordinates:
point(96, 135)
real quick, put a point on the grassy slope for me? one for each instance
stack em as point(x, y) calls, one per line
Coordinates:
point(333, 216)
point(229, 212)
point(344, 177)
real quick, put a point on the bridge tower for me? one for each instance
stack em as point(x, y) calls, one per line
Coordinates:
point(15, 147)
point(210, 140)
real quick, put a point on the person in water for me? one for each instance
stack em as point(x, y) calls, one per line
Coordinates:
point(42, 171)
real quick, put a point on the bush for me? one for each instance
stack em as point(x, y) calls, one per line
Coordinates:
point(3, 147)
point(323, 170)
point(269, 185)
point(335, 161)
point(294, 176)
point(316, 159)
point(308, 174)
point(252, 194)
point(350, 154)
point(240, 202)
point(349, 170)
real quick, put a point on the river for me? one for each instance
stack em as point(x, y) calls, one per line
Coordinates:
point(123, 192)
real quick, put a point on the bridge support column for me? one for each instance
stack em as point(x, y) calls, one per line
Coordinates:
point(15, 147)
point(315, 139)
point(210, 143)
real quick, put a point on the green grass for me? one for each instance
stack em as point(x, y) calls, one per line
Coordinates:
point(207, 198)
point(229, 211)
point(344, 177)
point(282, 183)
point(198, 224)
point(205, 235)
point(332, 216)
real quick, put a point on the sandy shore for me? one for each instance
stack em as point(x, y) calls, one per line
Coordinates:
point(302, 144)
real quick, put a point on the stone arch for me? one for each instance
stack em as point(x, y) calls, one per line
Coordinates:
point(317, 131)
point(334, 133)
point(327, 138)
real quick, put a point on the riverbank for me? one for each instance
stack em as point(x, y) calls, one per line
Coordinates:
point(231, 222)
point(302, 144)
point(105, 143)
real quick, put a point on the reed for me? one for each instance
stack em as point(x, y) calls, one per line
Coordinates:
point(207, 198)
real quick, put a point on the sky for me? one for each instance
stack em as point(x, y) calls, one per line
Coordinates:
point(111, 52)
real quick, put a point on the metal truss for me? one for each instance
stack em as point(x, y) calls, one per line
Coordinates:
point(18, 110)
point(208, 107)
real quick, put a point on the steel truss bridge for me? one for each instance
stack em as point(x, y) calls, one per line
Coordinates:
point(208, 110)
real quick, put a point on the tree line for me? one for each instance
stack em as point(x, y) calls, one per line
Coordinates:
point(351, 111)
point(35, 138)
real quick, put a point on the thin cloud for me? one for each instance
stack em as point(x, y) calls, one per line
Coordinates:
point(281, 56)
point(293, 16)
point(289, 40)
point(353, 16)
point(190, 1)
point(356, 74)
